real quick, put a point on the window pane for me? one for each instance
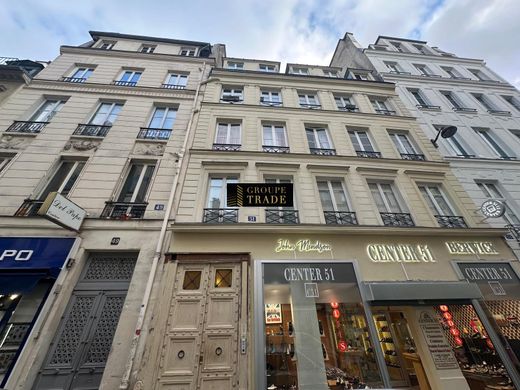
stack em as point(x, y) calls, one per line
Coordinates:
point(143, 188)
point(72, 179)
point(170, 119)
point(57, 180)
point(157, 117)
point(113, 114)
point(130, 183)
point(325, 196)
point(214, 193)
point(268, 136)
point(339, 196)
point(365, 141)
point(391, 198)
point(377, 197)
point(234, 138)
point(222, 132)
point(323, 139)
point(223, 278)
point(354, 140)
point(191, 280)
point(428, 200)
point(279, 132)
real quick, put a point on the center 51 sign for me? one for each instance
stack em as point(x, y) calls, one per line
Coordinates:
point(260, 195)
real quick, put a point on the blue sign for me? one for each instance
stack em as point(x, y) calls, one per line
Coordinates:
point(34, 252)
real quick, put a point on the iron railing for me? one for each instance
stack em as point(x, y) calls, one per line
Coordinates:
point(451, 221)
point(265, 102)
point(281, 216)
point(366, 154)
point(29, 208)
point(514, 231)
point(125, 83)
point(275, 149)
point(124, 210)
point(349, 108)
point(74, 79)
point(499, 112)
point(466, 155)
point(173, 86)
point(399, 72)
point(220, 216)
point(397, 219)
point(231, 99)
point(26, 127)
point(340, 218)
point(428, 106)
point(309, 105)
point(459, 78)
point(91, 130)
point(6, 60)
point(464, 109)
point(323, 152)
point(413, 156)
point(154, 133)
point(385, 112)
point(438, 76)
point(227, 147)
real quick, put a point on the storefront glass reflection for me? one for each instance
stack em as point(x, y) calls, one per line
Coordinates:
point(316, 333)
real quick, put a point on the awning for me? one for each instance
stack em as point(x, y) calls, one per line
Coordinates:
point(420, 291)
point(19, 283)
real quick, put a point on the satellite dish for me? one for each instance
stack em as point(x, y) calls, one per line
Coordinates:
point(448, 132)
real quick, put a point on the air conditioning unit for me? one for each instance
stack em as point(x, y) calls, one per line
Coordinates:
point(231, 98)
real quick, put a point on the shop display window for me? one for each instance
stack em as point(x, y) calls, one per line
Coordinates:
point(315, 328)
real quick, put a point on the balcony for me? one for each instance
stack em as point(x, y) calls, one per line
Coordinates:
point(311, 106)
point(514, 232)
point(275, 149)
point(154, 134)
point(173, 86)
point(366, 154)
point(427, 107)
point(91, 130)
point(397, 219)
point(220, 216)
point(227, 147)
point(464, 109)
point(74, 79)
point(399, 72)
point(231, 99)
point(26, 127)
point(413, 156)
point(340, 218)
point(451, 221)
point(123, 210)
point(281, 216)
point(349, 108)
point(323, 152)
point(275, 103)
point(500, 112)
point(29, 208)
point(125, 83)
point(385, 112)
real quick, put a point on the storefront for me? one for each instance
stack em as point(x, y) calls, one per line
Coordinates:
point(29, 266)
point(342, 311)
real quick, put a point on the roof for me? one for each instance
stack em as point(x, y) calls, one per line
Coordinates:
point(399, 39)
point(97, 34)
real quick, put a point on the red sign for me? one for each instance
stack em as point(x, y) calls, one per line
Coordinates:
point(335, 313)
point(342, 346)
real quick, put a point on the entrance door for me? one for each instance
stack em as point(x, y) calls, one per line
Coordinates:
point(80, 348)
point(200, 347)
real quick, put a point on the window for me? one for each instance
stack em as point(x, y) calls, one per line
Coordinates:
point(436, 200)
point(454, 144)
point(176, 81)
point(64, 178)
point(188, 51)
point(385, 197)
point(491, 142)
point(344, 103)
point(479, 75)
point(107, 45)
point(380, 107)
point(106, 114)
point(405, 147)
point(362, 144)
point(163, 118)
point(398, 46)
point(419, 97)
point(392, 66)
point(235, 65)
point(267, 68)
point(270, 98)
point(298, 70)
point(136, 184)
point(453, 99)
point(274, 135)
point(333, 195)
point(318, 138)
point(359, 75)
point(421, 49)
point(485, 101)
point(513, 101)
point(308, 100)
point(80, 75)
point(147, 48)
point(228, 134)
point(4, 161)
point(491, 191)
point(452, 72)
point(330, 73)
point(129, 78)
point(232, 95)
point(217, 193)
point(423, 70)
point(47, 110)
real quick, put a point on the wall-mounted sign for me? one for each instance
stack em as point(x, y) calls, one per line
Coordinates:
point(306, 273)
point(260, 195)
point(486, 272)
point(440, 350)
point(273, 313)
point(62, 211)
point(471, 248)
point(493, 208)
point(304, 245)
point(400, 253)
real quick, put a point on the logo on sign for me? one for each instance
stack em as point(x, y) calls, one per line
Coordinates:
point(493, 208)
point(311, 290)
point(13, 254)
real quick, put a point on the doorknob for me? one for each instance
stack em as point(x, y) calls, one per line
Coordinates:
point(218, 351)
point(201, 358)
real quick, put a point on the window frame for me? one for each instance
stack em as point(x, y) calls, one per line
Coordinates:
point(301, 70)
point(56, 108)
point(5, 160)
point(234, 65)
point(342, 99)
point(317, 141)
point(267, 68)
point(179, 76)
point(233, 93)
point(306, 96)
point(223, 189)
point(355, 133)
point(420, 94)
point(270, 93)
point(188, 50)
point(331, 73)
point(132, 72)
point(484, 101)
point(229, 126)
point(332, 195)
point(273, 127)
point(490, 141)
point(86, 69)
point(44, 189)
point(147, 48)
point(168, 109)
point(112, 106)
point(513, 101)
point(423, 69)
point(437, 208)
point(110, 44)
point(139, 182)
point(399, 145)
point(396, 195)
point(453, 99)
point(393, 66)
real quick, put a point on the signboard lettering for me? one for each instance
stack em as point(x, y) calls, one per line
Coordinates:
point(400, 253)
point(293, 274)
point(62, 211)
point(485, 272)
point(304, 245)
point(440, 350)
point(313, 273)
point(471, 248)
point(259, 195)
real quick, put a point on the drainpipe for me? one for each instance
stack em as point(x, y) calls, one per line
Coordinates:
point(125, 381)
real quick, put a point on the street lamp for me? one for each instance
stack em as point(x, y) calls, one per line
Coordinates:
point(444, 132)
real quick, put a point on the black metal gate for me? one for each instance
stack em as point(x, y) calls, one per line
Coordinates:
point(80, 348)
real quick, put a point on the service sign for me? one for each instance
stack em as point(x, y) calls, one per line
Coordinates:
point(260, 195)
point(62, 211)
point(488, 272)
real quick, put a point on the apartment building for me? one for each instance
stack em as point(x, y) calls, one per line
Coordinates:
point(103, 125)
point(341, 288)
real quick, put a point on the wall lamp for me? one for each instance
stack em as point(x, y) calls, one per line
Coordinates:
point(444, 132)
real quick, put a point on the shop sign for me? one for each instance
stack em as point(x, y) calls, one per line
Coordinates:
point(60, 210)
point(273, 313)
point(493, 208)
point(304, 245)
point(260, 195)
point(400, 253)
point(34, 252)
point(310, 274)
point(480, 272)
point(440, 350)
point(471, 248)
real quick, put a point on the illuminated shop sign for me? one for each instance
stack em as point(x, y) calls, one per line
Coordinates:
point(260, 195)
point(400, 253)
point(303, 245)
point(478, 272)
point(471, 248)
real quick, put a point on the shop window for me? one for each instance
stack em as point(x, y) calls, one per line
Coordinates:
point(223, 278)
point(315, 329)
point(191, 280)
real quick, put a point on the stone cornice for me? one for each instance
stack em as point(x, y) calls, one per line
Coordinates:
point(423, 57)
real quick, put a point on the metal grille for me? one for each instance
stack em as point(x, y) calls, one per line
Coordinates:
point(191, 280)
point(220, 216)
point(451, 221)
point(413, 156)
point(223, 278)
point(363, 153)
point(91, 130)
point(26, 127)
point(125, 83)
point(323, 152)
point(71, 337)
point(154, 133)
point(124, 210)
point(6, 358)
point(110, 268)
point(227, 147)
point(106, 327)
point(275, 149)
point(281, 216)
point(386, 112)
point(397, 219)
point(340, 218)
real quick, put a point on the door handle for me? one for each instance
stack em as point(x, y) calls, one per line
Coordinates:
point(201, 358)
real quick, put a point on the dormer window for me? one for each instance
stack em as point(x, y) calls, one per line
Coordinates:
point(188, 51)
point(421, 49)
point(267, 68)
point(359, 74)
point(299, 70)
point(398, 47)
point(330, 73)
point(235, 65)
point(107, 45)
point(147, 49)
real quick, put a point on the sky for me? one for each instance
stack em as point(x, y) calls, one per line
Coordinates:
point(297, 31)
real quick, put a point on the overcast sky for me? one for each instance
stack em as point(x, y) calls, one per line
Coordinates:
point(300, 31)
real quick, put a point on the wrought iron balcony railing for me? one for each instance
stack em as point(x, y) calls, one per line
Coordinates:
point(29, 208)
point(514, 231)
point(366, 154)
point(26, 127)
point(275, 149)
point(399, 72)
point(173, 86)
point(231, 99)
point(154, 133)
point(124, 210)
point(428, 106)
point(323, 152)
point(397, 219)
point(438, 76)
point(386, 112)
point(125, 83)
point(74, 79)
point(459, 78)
point(227, 147)
point(413, 156)
point(265, 102)
point(349, 108)
point(220, 216)
point(309, 105)
point(464, 109)
point(451, 221)
point(499, 112)
point(340, 218)
point(281, 216)
point(91, 130)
